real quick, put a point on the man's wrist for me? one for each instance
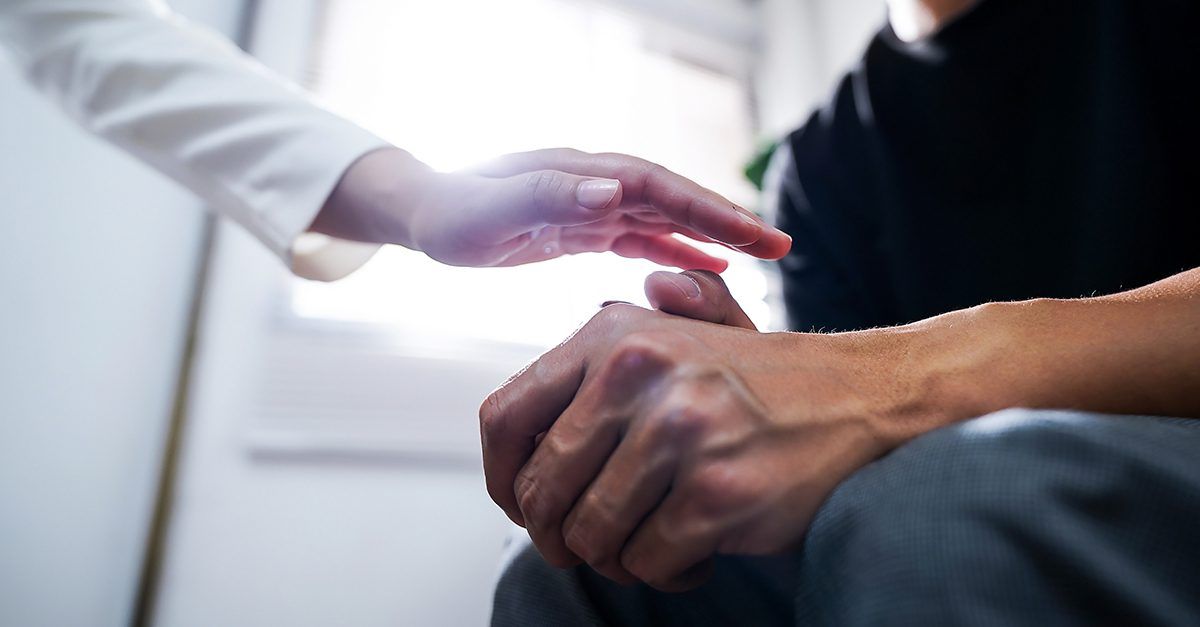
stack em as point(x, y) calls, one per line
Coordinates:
point(969, 363)
point(908, 381)
point(865, 382)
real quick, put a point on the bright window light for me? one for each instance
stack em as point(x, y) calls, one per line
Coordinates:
point(457, 82)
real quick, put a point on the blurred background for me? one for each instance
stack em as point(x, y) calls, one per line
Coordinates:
point(189, 436)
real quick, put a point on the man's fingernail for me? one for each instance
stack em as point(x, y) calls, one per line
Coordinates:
point(686, 284)
point(597, 194)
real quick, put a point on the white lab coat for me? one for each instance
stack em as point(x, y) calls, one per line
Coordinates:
point(189, 104)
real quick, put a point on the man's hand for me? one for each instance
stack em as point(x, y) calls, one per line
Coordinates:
point(536, 206)
point(647, 442)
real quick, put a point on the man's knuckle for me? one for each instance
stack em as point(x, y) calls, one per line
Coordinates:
point(611, 323)
point(633, 563)
point(717, 489)
point(532, 500)
point(491, 414)
point(564, 441)
point(633, 361)
point(638, 564)
point(681, 423)
point(617, 314)
point(635, 349)
point(581, 538)
point(586, 534)
point(576, 539)
point(497, 494)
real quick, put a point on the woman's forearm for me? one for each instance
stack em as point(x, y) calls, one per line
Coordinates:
point(375, 197)
point(189, 104)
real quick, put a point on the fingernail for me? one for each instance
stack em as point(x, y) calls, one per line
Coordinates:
point(750, 220)
point(686, 284)
point(597, 194)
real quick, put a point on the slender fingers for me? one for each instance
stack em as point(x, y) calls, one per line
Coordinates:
point(661, 249)
point(668, 251)
point(704, 239)
point(556, 241)
point(682, 200)
point(774, 244)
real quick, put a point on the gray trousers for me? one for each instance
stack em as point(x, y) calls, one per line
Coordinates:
point(1018, 518)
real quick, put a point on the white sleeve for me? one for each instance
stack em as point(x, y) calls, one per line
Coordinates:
point(191, 105)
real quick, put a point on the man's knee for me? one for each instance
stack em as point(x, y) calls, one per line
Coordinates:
point(531, 592)
point(970, 511)
point(997, 466)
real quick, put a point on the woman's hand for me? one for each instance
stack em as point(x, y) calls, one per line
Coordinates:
point(536, 206)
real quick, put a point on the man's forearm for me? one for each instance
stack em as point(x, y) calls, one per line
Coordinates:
point(1136, 352)
point(687, 439)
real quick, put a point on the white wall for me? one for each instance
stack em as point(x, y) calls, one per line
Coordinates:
point(97, 259)
point(309, 532)
point(328, 535)
point(807, 45)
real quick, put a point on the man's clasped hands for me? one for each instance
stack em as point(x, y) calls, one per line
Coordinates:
point(652, 440)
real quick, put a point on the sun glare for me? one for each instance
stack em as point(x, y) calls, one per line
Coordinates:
point(456, 82)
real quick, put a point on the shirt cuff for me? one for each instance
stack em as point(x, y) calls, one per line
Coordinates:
point(312, 178)
point(322, 258)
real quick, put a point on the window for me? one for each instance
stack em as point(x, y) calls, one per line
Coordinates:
point(459, 81)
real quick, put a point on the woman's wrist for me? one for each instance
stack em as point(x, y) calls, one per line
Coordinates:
point(375, 199)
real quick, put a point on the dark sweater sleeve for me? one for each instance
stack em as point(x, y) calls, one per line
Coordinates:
point(830, 278)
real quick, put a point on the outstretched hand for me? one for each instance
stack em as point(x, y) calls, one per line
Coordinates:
point(535, 206)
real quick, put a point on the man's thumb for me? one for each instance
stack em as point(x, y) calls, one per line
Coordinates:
point(696, 294)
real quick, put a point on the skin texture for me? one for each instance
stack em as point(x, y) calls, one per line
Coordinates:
point(531, 207)
point(649, 442)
